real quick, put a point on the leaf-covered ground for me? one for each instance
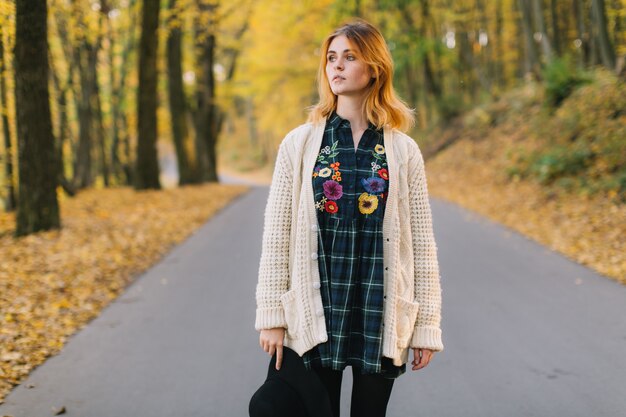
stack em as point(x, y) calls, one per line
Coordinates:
point(53, 283)
point(589, 230)
point(585, 223)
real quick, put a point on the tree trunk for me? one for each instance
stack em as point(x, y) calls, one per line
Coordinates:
point(432, 89)
point(61, 25)
point(607, 54)
point(531, 63)
point(431, 84)
point(178, 105)
point(83, 177)
point(147, 165)
point(95, 101)
point(9, 202)
point(37, 208)
point(120, 133)
point(127, 166)
point(583, 36)
point(540, 27)
point(500, 76)
point(485, 70)
point(556, 31)
point(411, 84)
point(253, 132)
point(618, 30)
point(409, 72)
point(116, 166)
point(63, 125)
point(206, 111)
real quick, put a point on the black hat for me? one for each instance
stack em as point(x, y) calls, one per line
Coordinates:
point(293, 391)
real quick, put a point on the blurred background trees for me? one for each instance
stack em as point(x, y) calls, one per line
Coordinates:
point(148, 94)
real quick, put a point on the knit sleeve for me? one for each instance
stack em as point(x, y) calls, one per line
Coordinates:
point(427, 331)
point(273, 277)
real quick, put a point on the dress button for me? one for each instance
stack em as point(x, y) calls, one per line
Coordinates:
point(314, 227)
point(314, 256)
point(317, 285)
point(320, 312)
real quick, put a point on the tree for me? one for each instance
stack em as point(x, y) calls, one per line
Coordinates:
point(177, 101)
point(601, 36)
point(119, 80)
point(10, 202)
point(584, 55)
point(531, 58)
point(37, 207)
point(205, 27)
point(540, 29)
point(83, 56)
point(147, 165)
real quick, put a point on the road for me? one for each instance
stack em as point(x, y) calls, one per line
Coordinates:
point(526, 332)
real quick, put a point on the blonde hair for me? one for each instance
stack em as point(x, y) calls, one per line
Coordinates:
point(382, 106)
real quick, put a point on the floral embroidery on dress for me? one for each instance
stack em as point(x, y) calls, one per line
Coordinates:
point(367, 203)
point(325, 172)
point(375, 186)
point(330, 152)
point(332, 190)
point(337, 175)
point(331, 206)
point(321, 205)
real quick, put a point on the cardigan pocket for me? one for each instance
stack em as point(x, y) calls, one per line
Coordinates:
point(290, 307)
point(405, 320)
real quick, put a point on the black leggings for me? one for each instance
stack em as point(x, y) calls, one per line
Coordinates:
point(370, 393)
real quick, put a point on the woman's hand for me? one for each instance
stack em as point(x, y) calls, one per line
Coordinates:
point(421, 358)
point(271, 340)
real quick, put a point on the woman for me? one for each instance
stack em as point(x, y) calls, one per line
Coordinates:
point(348, 272)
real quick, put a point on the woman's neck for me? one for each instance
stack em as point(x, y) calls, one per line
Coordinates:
point(351, 109)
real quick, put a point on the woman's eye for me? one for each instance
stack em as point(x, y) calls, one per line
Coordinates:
point(351, 57)
point(331, 58)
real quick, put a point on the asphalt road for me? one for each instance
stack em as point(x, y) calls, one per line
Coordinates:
point(526, 333)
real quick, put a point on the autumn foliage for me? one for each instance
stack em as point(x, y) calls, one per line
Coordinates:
point(53, 283)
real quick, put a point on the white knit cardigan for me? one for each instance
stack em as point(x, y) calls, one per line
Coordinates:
point(288, 290)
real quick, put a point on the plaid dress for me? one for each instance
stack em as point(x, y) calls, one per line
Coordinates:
point(350, 188)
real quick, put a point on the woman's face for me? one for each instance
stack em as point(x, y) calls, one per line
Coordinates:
point(347, 74)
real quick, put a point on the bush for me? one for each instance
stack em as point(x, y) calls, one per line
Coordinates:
point(580, 147)
point(450, 106)
point(560, 161)
point(561, 78)
point(479, 119)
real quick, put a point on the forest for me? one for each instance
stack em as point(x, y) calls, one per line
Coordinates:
point(119, 117)
point(105, 93)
